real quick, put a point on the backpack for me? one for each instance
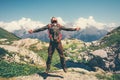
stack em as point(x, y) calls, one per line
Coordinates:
point(54, 32)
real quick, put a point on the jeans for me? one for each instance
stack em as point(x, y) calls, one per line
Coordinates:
point(58, 46)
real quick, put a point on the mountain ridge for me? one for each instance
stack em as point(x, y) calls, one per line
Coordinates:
point(7, 35)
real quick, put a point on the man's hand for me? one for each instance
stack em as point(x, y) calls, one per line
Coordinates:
point(30, 31)
point(77, 29)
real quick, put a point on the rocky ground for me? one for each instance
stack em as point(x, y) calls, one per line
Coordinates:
point(21, 53)
point(100, 54)
point(72, 74)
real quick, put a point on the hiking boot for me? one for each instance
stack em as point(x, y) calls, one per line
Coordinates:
point(65, 70)
point(47, 68)
point(47, 71)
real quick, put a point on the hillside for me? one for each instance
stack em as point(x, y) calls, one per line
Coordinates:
point(112, 38)
point(107, 52)
point(18, 59)
point(7, 35)
point(87, 35)
point(24, 59)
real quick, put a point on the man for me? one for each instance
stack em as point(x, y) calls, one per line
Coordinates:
point(55, 41)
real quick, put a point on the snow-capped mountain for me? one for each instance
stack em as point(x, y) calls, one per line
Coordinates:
point(90, 29)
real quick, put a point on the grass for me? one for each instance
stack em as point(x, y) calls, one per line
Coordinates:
point(103, 77)
point(115, 76)
point(15, 69)
point(7, 35)
point(113, 38)
point(106, 77)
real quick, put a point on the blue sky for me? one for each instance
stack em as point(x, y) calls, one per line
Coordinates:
point(106, 11)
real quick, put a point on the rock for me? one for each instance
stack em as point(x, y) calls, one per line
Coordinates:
point(78, 70)
point(107, 59)
point(22, 55)
point(17, 58)
point(99, 70)
point(86, 58)
point(27, 43)
point(72, 74)
point(30, 77)
point(3, 39)
point(97, 62)
point(87, 44)
point(102, 53)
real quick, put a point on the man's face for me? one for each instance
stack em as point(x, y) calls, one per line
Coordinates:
point(53, 20)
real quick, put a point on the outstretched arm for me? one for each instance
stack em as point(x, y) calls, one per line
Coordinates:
point(37, 30)
point(69, 29)
point(40, 29)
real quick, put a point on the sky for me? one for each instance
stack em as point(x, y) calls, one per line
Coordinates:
point(105, 11)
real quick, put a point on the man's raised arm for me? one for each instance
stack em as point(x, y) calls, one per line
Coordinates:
point(69, 29)
point(37, 30)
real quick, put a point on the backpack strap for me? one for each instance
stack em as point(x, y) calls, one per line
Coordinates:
point(50, 36)
point(60, 35)
point(49, 25)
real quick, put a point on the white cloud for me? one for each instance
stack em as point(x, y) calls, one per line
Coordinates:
point(60, 21)
point(25, 23)
point(83, 23)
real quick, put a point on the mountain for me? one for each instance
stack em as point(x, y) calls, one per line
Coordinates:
point(89, 34)
point(7, 35)
point(91, 30)
point(111, 38)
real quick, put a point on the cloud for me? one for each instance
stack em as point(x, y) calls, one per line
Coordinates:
point(60, 21)
point(25, 23)
point(83, 23)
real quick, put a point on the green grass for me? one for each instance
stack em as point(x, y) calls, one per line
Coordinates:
point(115, 77)
point(113, 38)
point(16, 69)
point(106, 77)
point(103, 77)
point(7, 35)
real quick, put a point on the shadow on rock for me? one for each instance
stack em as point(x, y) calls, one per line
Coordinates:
point(71, 64)
point(97, 62)
point(2, 52)
point(45, 75)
